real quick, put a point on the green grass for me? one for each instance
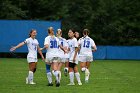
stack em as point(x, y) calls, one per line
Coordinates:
point(107, 76)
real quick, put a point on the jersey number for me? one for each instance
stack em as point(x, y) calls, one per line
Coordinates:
point(86, 44)
point(53, 44)
point(62, 43)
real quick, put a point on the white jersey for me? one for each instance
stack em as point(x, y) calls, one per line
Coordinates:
point(63, 42)
point(86, 44)
point(53, 49)
point(72, 45)
point(32, 47)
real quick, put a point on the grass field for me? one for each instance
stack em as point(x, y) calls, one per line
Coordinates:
point(107, 76)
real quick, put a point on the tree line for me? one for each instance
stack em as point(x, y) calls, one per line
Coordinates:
point(111, 22)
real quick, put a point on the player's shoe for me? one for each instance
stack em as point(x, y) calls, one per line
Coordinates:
point(50, 84)
point(27, 80)
point(32, 83)
point(65, 72)
point(57, 84)
point(79, 83)
point(71, 84)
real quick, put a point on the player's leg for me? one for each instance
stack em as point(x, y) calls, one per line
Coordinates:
point(32, 66)
point(60, 64)
point(87, 72)
point(71, 73)
point(66, 68)
point(77, 74)
point(35, 67)
point(55, 70)
point(49, 74)
point(82, 60)
point(31, 73)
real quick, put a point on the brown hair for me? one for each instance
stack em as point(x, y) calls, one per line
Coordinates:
point(49, 29)
point(31, 32)
point(86, 32)
point(60, 31)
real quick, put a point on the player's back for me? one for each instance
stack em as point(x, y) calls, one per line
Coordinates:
point(53, 46)
point(86, 44)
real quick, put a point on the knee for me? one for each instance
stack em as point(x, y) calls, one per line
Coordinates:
point(83, 69)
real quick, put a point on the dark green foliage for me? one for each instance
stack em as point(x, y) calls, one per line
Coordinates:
point(111, 22)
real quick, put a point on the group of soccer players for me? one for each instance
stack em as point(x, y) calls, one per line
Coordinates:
point(59, 52)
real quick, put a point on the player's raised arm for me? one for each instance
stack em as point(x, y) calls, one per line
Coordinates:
point(18, 46)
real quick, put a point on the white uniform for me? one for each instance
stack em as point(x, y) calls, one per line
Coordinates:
point(63, 42)
point(32, 48)
point(66, 55)
point(86, 44)
point(72, 45)
point(52, 54)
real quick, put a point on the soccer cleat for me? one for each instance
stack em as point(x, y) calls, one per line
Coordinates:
point(50, 84)
point(57, 84)
point(71, 84)
point(79, 83)
point(32, 83)
point(27, 81)
point(65, 72)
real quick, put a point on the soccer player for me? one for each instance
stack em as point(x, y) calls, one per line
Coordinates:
point(77, 35)
point(73, 58)
point(87, 45)
point(52, 56)
point(63, 56)
point(33, 46)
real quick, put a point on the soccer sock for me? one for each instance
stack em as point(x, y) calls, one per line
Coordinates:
point(78, 77)
point(49, 76)
point(55, 73)
point(87, 73)
point(30, 76)
point(71, 74)
point(59, 72)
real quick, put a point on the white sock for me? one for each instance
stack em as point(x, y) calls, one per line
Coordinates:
point(30, 76)
point(49, 76)
point(55, 73)
point(78, 77)
point(87, 73)
point(71, 74)
point(59, 72)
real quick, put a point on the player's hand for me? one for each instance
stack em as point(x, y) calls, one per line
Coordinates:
point(41, 49)
point(65, 52)
point(13, 49)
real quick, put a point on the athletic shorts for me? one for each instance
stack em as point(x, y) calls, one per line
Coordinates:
point(63, 60)
point(52, 59)
point(85, 58)
point(72, 65)
point(30, 59)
